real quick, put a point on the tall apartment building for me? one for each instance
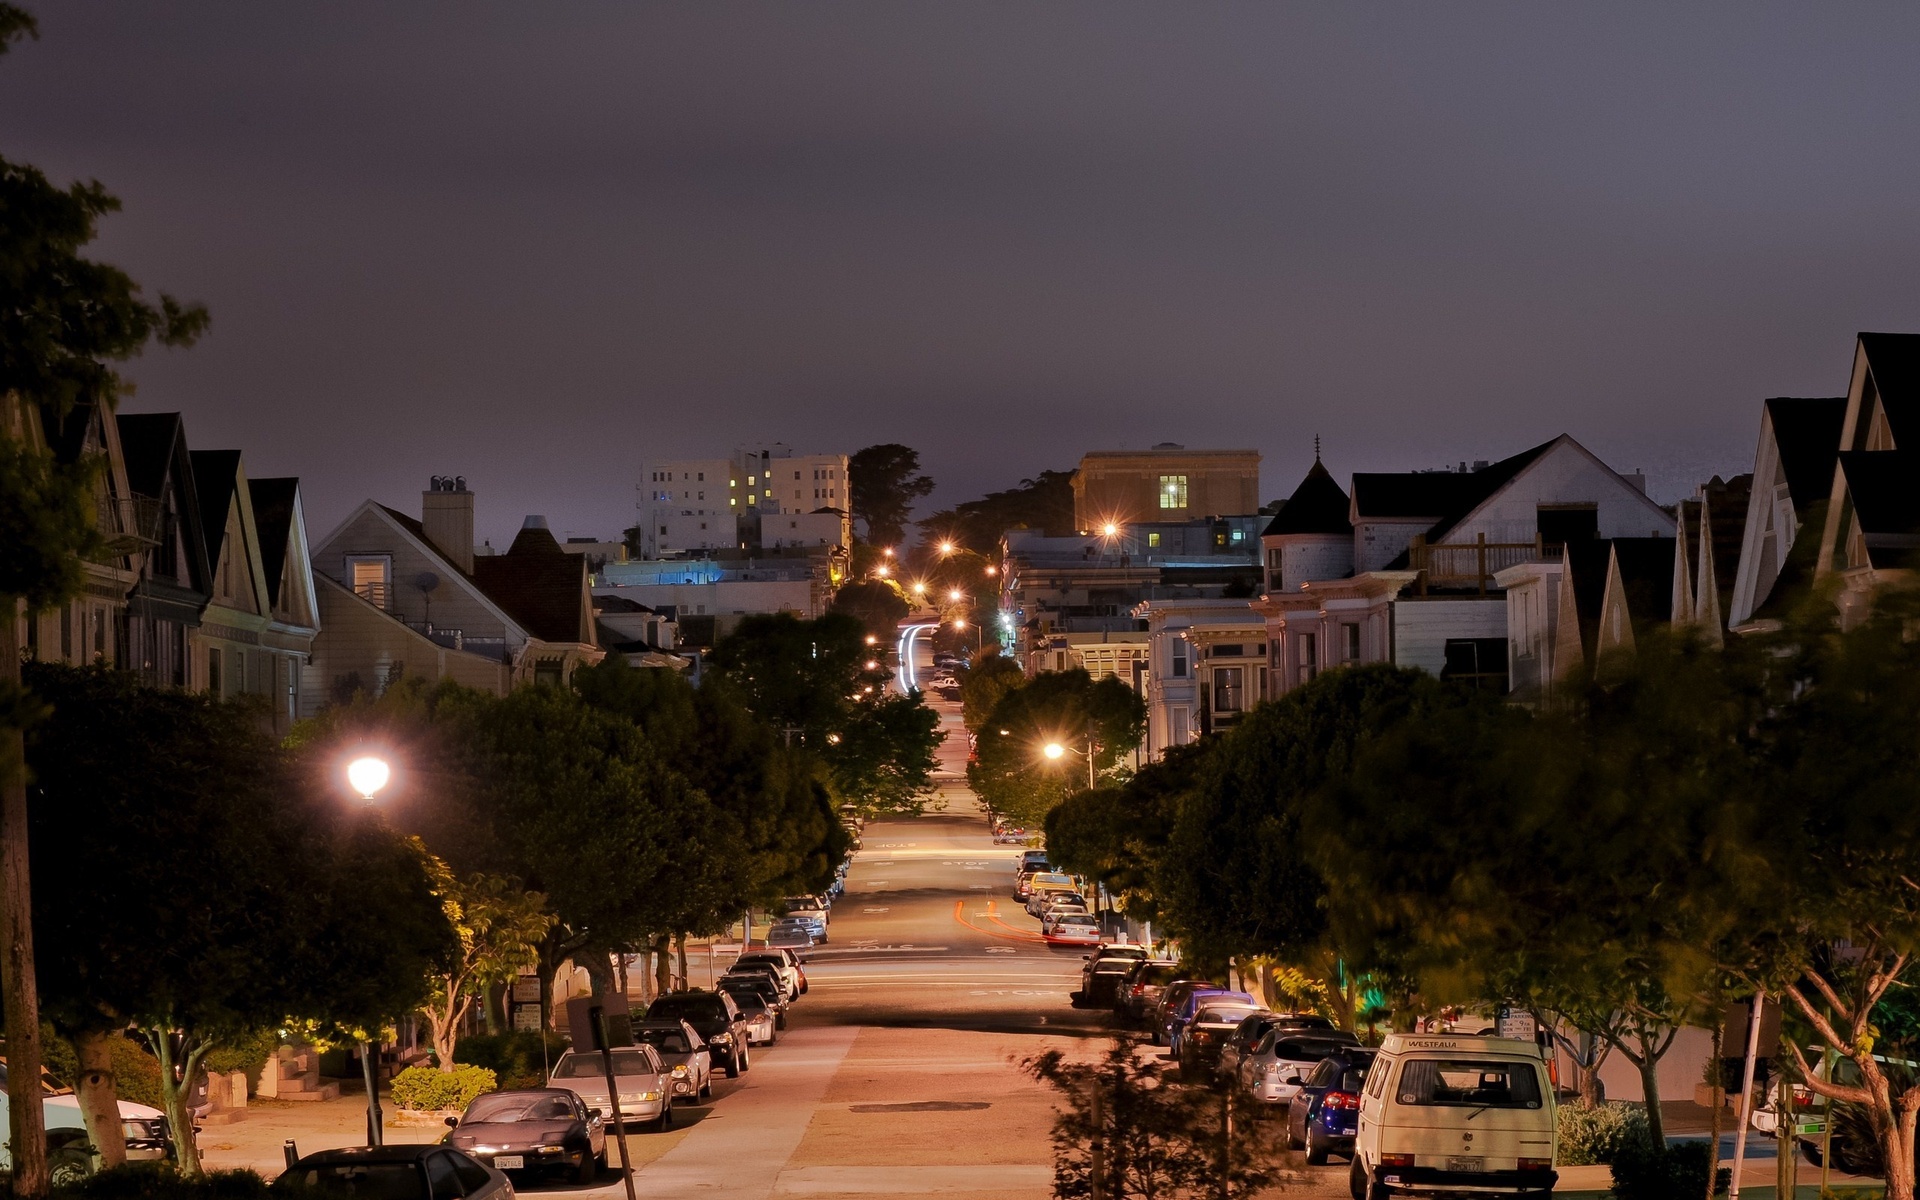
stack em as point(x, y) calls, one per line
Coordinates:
point(1166, 483)
point(764, 496)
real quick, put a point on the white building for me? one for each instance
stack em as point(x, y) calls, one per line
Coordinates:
point(1204, 660)
point(688, 506)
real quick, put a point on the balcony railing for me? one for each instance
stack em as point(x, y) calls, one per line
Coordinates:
point(1471, 566)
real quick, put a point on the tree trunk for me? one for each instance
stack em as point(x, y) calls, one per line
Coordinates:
point(496, 997)
point(680, 948)
point(19, 993)
point(174, 1093)
point(99, 1099)
point(599, 969)
point(662, 966)
point(1897, 1145)
point(1649, 1065)
point(445, 1023)
point(543, 970)
point(1713, 1122)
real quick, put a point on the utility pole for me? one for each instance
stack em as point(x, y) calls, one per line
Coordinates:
point(1746, 1098)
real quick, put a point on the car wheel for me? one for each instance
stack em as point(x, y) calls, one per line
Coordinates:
point(1316, 1153)
point(780, 1022)
point(666, 1116)
point(733, 1065)
point(600, 1160)
point(68, 1166)
point(746, 1058)
point(1357, 1179)
point(1294, 1143)
point(588, 1168)
point(1159, 1039)
point(706, 1087)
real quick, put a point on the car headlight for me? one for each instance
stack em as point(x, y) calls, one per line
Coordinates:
point(552, 1139)
point(680, 1070)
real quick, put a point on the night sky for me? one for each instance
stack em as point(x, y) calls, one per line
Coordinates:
point(536, 243)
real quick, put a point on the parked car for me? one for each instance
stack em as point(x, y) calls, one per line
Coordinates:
point(1282, 1060)
point(405, 1172)
point(683, 1052)
point(1023, 884)
point(1324, 1115)
point(1241, 1042)
point(645, 1084)
point(1455, 1113)
point(1102, 973)
point(1203, 1035)
point(1033, 860)
point(1171, 998)
point(1139, 993)
point(1039, 902)
point(806, 906)
point(539, 1130)
point(764, 970)
point(715, 1017)
point(69, 1154)
point(1181, 1016)
point(784, 961)
point(790, 936)
point(1074, 929)
point(737, 985)
point(763, 1022)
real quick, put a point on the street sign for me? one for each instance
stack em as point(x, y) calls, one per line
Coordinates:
point(1517, 1023)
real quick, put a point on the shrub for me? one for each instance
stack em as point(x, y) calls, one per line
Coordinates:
point(513, 1057)
point(248, 1056)
point(1645, 1172)
point(160, 1181)
point(431, 1089)
point(1599, 1134)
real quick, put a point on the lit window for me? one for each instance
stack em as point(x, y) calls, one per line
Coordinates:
point(1239, 535)
point(1173, 491)
point(752, 480)
point(1153, 539)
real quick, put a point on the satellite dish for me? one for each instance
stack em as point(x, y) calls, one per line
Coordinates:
point(426, 581)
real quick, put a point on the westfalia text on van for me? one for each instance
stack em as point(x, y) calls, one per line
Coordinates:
point(1455, 1115)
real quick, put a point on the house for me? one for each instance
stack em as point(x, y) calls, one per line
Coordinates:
point(1416, 570)
point(428, 605)
point(92, 627)
point(255, 634)
point(173, 581)
point(1204, 667)
point(1167, 483)
point(1121, 653)
point(1871, 534)
point(1792, 480)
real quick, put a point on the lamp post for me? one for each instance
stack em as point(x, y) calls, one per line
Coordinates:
point(1055, 751)
point(369, 776)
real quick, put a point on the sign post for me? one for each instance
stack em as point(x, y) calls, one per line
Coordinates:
point(603, 1023)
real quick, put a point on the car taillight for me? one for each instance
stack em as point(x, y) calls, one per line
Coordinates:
point(1342, 1100)
point(1139, 989)
point(1536, 1164)
point(1396, 1160)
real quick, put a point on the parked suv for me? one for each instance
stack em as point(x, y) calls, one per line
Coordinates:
point(1448, 1113)
point(715, 1017)
point(1325, 1112)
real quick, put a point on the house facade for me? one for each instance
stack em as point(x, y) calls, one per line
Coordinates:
point(1205, 661)
point(1871, 534)
point(1167, 483)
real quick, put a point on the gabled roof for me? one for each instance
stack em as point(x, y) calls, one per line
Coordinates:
point(1443, 496)
point(148, 442)
point(1586, 579)
point(273, 501)
point(1806, 433)
point(1646, 575)
point(215, 472)
point(535, 583)
point(1316, 506)
point(1894, 359)
point(1884, 486)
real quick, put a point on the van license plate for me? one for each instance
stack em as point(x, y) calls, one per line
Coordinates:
point(1466, 1163)
point(509, 1162)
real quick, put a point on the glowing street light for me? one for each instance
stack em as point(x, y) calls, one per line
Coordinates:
point(991, 571)
point(946, 547)
point(888, 551)
point(956, 594)
point(873, 664)
point(883, 571)
point(919, 589)
point(368, 775)
point(872, 640)
point(1055, 750)
point(1110, 529)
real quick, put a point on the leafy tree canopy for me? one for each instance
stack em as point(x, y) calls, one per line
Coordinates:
point(883, 481)
point(1010, 770)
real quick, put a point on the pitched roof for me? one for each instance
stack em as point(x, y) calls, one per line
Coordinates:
point(1886, 503)
point(1443, 496)
point(536, 583)
point(1316, 506)
point(1587, 576)
point(1806, 432)
point(147, 442)
point(215, 472)
point(273, 519)
point(1646, 574)
point(1894, 359)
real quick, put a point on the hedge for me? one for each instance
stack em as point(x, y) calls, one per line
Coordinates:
point(160, 1181)
point(513, 1057)
point(429, 1089)
point(1599, 1134)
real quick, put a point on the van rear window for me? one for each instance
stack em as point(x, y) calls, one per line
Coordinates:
point(1469, 1083)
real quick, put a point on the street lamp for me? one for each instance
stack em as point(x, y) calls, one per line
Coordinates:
point(979, 635)
point(1110, 529)
point(1055, 751)
point(369, 775)
point(956, 595)
point(946, 547)
point(919, 589)
point(883, 570)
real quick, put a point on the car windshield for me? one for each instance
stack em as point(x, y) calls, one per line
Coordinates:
point(1156, 975)
point(1077, 918)
point(1303, 1049)
point(1202, 997)
point(589, 1066)
point(1112, 966)
point(747, 1000)
point(363, 1181)
point(667, 1041)
point(505, 1107)
point(1469, 1083)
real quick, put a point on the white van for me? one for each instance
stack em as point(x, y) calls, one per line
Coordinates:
point(1456, 1115)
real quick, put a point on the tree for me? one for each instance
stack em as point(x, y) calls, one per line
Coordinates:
point(982, 684)
point(279, 904)
point(1044, 502)
point(1117, 834)
point(883, 481)
point(499, 926)
point(63, 320)
point(878, 604)
point(1010, 771)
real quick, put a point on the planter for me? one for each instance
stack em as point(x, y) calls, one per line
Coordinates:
point(422, 1116)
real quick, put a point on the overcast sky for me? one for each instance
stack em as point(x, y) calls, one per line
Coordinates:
point(536, 243)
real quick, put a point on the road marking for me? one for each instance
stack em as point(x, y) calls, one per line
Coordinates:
point(873, 910)
point(1001, 950)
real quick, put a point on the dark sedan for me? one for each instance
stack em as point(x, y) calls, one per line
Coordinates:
point(391, 1173)
point(715, 1017)
point(683, 1052)
point(535, 1130)
point(1324, 1115)
point(1204, 1035)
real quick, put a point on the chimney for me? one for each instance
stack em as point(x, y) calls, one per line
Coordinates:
point(446, 513)
point(1637, 480)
